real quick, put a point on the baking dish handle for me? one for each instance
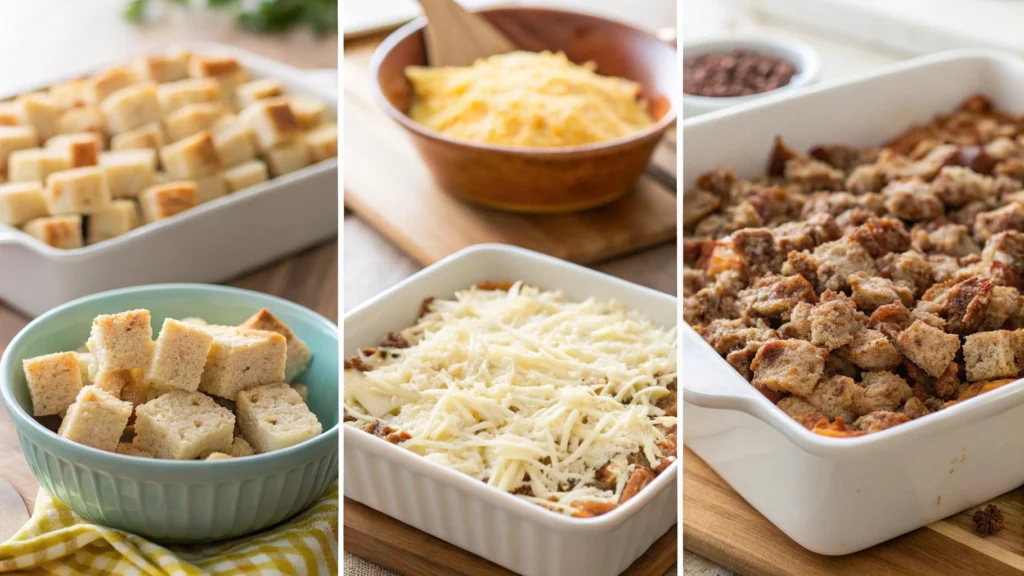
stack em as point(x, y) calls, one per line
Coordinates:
point(710, 382)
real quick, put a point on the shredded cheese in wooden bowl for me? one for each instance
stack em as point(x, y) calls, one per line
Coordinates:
point(570, 405)
point(530, 99)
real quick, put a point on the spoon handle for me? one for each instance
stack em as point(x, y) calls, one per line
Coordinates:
point(457, 37)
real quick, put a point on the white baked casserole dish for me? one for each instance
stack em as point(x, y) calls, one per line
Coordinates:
point(212, 242)
point(488, 522)
point(840, 495)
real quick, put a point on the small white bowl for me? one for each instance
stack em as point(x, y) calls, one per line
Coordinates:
point(800, 54)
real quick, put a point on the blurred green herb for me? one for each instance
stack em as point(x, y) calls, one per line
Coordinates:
point(267, 17)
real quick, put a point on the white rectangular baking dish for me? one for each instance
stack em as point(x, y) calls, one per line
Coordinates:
point(213, 242)
point(837, 496)
point(488, 522)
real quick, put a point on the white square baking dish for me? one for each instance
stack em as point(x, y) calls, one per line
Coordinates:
point(506, 530)
point(215, 241)
point(837, 496)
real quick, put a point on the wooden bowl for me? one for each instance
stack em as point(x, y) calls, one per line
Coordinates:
point(534, 179)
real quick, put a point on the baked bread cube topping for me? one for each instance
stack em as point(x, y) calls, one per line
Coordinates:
point(35, 164)
point(13, 138)
point(174, 95)
point(21, 202)
point(70, 94)
point(77, 191)
point(82, 149)
point(287, 158)
point(182, 425)
point(274, 417)
point(322, 142)
point(40, 112)
point(88, 119)
point(233, 141)
point(57, 231)
point(168, 67)
point(179, 356)
point(129, 172)
point(145, 136)
point(308, 111)
point(241, 359)
point(192, 118)
point(272, 122)
point(96, 418)
point(210, 188)
point(191, 158)
point(244, 175)
point(121, 341)
point(131, 107)
point(165, 200)
point(100, 86)
point(54, 381)
point(120, 217)
point(298, 354)
point(258, 90)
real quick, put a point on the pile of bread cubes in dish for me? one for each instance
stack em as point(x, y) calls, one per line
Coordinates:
point(90, 159)
point(860, 288)
point(199, 391)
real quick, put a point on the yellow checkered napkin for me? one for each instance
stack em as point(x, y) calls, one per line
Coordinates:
point(58, 541)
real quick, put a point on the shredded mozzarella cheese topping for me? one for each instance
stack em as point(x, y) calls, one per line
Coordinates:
point(526, 391)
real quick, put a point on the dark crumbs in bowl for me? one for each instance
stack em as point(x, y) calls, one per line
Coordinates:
point(738, 72)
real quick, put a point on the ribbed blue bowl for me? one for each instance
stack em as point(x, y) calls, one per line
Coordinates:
point(167, 500)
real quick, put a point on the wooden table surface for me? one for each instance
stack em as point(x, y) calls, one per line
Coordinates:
point(309, 278)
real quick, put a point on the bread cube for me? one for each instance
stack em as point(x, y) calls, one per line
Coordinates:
point(121, 341)
point(88, 119)
point(35, 164)
point(77, 191)
point(990, 355)
point(322, 142)
point(82, 149)
point(210, 188)
point(287, 158)
point(147, 136)
point(257, 90)
point(162, 178)
point(174, 95)
point(179, 356)
point(301, 389)
point(21, 202)
point(136, 390)
point(120, 217)
point(13, 138)
point(299, 355)
point(100, 86)
point(57, 231)
point(182, 425)
point(111, 381)
point(308, 111)
point(165, 200)
point(273, 417)
point(192, 118)
point(191, 158)
point(9, 114)
point(244, 175)
point(84, 365)
point(129, 172)
point(131, 107)
point(96, 418)
point(218, 456)
point(71, 94)
point(38, 111)
point(233, 141)
point(928, 347)
point(54, 381)
point(225, 69)
point(240, 448)
point(167, 67)
point(241, 359)
point(129, 449)
point(272, 122)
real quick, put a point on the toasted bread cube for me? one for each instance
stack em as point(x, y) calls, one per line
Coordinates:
point(121, 341)
point(191, 158)
point(258, 90)
point(147, 136)
point(174, 95)
point(70, 94)
point(111, 381)
point(308, 111)
point(299, 355)
point(85, 365)
point(273, 417)
point(301, 389)
point(54, 381)
point(162, 178)
point(10, 115)
point(244, 175)
point(218, 456)
point(21, 202)
point(322, 142)
point(131, 107)
point(240, 448)
point(272, 122)
point(82, 149)
point(120, 217)
point(129, 449)
point(77, 191)
point(103, 85)
point(38, 111)
point(167, 67)
point(233, 141)
point(241, 359)
point(35, 164)
point(192, 118)
point(287, 158)
point(210, 188)
point(165, 200)
point(183, 425)
point(96, 418)
point(129, 172)
point(75, 120)
point(990, 355)
point(57, 231)
point(179, 356)
point(225, 69)
point(928, 347)
point(14, 138)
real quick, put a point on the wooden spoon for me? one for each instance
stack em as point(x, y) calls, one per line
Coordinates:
point(13, 512)
point(458, 37)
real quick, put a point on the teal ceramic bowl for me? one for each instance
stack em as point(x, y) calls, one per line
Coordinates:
point(167, 500)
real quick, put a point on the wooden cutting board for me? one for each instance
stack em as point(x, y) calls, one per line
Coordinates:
point(719, 525)
point(388, 185)
point(385, 541)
